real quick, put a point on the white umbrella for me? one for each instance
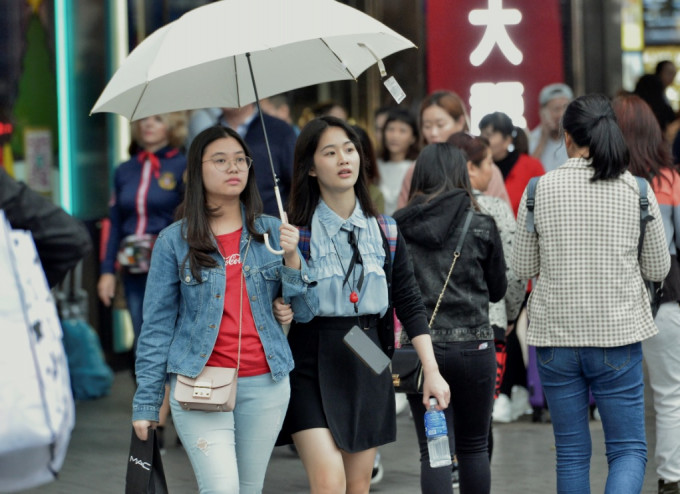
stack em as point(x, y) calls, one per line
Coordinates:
point(199, 60)
point(211, 56)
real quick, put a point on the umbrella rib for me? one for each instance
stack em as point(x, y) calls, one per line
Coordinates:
point(339, 59)
point(139, 100)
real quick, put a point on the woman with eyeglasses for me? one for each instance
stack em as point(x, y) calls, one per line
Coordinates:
point(208, 302)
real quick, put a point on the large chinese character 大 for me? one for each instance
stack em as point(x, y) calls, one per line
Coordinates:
point(495, 18)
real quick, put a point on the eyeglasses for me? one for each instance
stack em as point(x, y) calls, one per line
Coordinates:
point(242, 163)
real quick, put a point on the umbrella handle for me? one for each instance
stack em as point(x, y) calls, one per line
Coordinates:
point(284, 219)
point(270, 248)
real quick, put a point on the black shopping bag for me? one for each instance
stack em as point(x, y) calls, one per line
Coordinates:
point(145, 473)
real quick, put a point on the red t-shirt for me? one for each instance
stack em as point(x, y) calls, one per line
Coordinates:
point(225, 352)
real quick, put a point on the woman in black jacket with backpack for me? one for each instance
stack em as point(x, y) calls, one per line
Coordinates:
point(432, 224)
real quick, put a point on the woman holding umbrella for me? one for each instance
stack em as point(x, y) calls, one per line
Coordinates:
point(340, 411)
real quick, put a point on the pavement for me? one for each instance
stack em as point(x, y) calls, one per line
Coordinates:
point(523, 460)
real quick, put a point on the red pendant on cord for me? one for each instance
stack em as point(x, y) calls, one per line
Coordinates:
point(353, 297)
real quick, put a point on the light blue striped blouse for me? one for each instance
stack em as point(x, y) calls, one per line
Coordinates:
point(330, 238)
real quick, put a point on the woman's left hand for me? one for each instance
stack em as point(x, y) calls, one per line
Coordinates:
point(282, 311)
point(435, 385)
point(289, 238)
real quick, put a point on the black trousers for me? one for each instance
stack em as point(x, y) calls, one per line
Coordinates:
point(470, 369)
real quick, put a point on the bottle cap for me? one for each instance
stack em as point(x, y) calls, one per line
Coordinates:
point(433, 401)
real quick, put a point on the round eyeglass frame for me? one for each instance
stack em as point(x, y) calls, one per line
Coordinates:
point(229, 163)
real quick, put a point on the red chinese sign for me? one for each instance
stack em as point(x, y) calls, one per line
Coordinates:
point(496, 54)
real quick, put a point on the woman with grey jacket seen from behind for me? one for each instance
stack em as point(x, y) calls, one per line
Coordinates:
point(589, 309)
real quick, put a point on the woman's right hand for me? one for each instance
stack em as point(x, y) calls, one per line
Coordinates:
point(142, 428)
point(106, 288)
point(282, 311)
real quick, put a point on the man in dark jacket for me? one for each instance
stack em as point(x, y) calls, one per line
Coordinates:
point(61, 240)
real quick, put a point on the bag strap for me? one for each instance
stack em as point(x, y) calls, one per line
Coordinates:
point(645, 217)
point(531, 202)
point(456, 255)
point(240, 308)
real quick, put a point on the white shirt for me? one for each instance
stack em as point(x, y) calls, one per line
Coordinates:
point(391, 176)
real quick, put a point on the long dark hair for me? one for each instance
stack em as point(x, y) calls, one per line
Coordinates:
point(440, 167)
point(405, 116)
point(372, 170)
point(648, 151)
point(194, 209)
point(304, 191)
point(591, 123)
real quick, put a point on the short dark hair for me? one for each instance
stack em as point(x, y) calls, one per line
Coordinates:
point(194, 209)
point(660, 66)
point(475, 147)
point(591, 123)
point(304, 191)
point(405, 116)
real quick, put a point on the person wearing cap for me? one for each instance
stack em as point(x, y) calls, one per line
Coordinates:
point(545, 143)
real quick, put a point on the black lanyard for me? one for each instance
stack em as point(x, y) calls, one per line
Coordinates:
point(353, 240)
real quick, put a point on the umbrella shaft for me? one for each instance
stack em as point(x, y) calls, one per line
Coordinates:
point(264, 129)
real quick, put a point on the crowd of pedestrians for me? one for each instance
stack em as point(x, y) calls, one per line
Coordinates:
point(531, 246)
point(407, 230)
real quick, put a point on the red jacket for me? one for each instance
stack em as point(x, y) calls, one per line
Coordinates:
point(524, 170)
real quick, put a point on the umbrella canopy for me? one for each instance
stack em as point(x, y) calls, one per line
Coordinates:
point(199, 61)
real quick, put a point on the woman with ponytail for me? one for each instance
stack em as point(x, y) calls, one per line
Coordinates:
point(589, 308)
point(509, 150)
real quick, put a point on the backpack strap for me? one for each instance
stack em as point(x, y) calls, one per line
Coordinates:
point(303, 243)
point(645, 217)
point(389, 228)
point(387, 224)
point(531, 202)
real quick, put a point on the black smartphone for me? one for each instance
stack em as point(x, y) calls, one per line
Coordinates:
point(366, 349)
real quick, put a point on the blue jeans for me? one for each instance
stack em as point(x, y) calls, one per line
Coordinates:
point(470, 372)
point(614, 375)
point(134, 286)
point(230, 451)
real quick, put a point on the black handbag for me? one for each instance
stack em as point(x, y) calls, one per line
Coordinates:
point(145, 473)
point(407, 370)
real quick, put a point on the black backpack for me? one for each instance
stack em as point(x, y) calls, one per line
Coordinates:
point(654, 289)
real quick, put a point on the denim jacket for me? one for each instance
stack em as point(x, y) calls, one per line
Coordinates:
point(182, 314)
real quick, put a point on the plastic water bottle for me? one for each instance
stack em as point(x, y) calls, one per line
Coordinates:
point(437, 436)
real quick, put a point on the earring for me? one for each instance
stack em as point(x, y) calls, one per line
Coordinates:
point(511, 148)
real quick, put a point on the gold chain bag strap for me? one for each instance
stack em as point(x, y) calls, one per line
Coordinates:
point(214, 389)
point(407, 370)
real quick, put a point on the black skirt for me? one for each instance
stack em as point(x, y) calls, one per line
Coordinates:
point(331, 388)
